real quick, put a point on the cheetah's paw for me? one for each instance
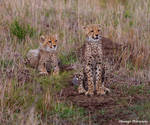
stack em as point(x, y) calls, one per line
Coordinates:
point(81, 90)
point(89, 93)
point(103, 90)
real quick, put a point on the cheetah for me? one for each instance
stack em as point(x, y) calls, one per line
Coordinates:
point(93, 69)
point(45, 55)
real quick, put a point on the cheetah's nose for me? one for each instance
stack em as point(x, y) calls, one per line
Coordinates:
point(54, 46)
point(96, 36)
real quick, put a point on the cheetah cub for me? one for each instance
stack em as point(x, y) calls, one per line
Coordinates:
point(45, 55)
point(91, 77)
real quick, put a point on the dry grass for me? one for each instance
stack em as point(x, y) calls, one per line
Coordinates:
point(25, 98)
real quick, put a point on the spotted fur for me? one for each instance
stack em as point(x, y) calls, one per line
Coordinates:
point(45, 55)
point(91, 76)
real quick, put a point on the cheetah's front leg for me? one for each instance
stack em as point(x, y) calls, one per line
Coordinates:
point(88, 71)
point(55, 65)
point(81, 88)
point(100, 89)
point(42, 69)
point(42, 66)
point(56, 70)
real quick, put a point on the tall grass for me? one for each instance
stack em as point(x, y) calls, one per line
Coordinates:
point(124, 21)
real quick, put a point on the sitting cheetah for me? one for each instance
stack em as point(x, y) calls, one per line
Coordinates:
point(91, 77)
point(45, 55)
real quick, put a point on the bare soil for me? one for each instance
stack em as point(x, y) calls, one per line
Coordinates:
point(106, 109)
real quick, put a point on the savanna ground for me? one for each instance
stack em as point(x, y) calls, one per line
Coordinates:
point(29, 99)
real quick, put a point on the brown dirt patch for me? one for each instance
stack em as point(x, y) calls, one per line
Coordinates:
point(94, 104)
point(90, 102)
point(107, 109)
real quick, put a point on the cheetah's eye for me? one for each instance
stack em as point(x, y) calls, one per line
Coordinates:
point(55, 40)
point(92, 31)
point(98, 30)
point(49, 41)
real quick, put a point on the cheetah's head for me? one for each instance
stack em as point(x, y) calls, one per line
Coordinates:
point(93, 32)
point(48, 42)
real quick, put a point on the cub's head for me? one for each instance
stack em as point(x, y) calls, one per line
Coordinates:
point(93, 32)
point(48, 42)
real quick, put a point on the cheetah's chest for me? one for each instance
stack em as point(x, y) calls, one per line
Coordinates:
point(47, 56)
point(95, 51)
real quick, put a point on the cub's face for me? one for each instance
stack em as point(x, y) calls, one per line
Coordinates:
point(93, 32)
point(49, 42)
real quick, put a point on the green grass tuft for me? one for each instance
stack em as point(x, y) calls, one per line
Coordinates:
point(66, 59)
point(6, 63)
point(127, 14)
point(21, 30)
point(65, 111)
point(142, 110)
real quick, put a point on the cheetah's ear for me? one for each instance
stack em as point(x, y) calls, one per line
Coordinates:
point(84, 27)
point(42, 38)
point(100, 26)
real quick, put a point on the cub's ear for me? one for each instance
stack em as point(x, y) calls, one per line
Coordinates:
point(84, 27)
point(42, 38)
point(100, 26)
